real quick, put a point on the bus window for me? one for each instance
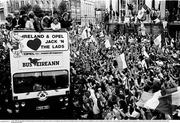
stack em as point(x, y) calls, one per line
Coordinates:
point(39, 81)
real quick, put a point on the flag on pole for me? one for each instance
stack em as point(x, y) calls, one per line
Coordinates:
point(141, 13)
point(107, 42)
point(121, 62)
point(164, 103)
point(157, 41)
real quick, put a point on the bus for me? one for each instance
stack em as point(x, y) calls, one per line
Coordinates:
point(40, 71)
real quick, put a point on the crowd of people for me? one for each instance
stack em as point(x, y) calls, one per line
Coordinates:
point(29, 21)
point(101, 90)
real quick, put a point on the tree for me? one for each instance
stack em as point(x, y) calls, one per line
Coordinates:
point(62, 7)
point(37, 10)
point(26, 8)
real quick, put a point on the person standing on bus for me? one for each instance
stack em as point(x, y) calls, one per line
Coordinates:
point(29, 22)
point(56, 25)
point(17, 21)
point(66, 22)
point(45, 22)
point(8, 23)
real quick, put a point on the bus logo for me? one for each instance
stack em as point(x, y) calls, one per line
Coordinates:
point(33, 61)
point(42, 96)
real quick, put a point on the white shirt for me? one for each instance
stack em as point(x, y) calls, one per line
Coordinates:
point(29, 24)
point(55, 26)
point(95, 106)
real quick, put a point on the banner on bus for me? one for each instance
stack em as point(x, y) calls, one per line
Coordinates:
point(44, 41)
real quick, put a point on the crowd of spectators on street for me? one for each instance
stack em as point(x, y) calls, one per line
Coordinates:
point(102, 91)
point(99, 89)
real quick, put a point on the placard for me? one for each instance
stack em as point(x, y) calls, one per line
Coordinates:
point(45, 41)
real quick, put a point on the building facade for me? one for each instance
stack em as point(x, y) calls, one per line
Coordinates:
point(87, 12)
point(121, 6)
point(46, 5)
point(100, 7)
point(2, 11)
point(76, 10)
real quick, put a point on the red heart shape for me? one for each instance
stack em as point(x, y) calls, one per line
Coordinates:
point(34, 44)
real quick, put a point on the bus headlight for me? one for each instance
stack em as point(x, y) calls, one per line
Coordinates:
point(60, 99)
point(17, 105)
point(66, 104)
point(66, 99)
point(17, 111)
point(23, 104)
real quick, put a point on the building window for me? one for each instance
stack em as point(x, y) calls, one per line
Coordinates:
point(22, 3)
point(123, 4)
point(17, 5)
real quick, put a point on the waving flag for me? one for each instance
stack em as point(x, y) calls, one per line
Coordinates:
point(157, 41)
point(164, 24)
point(121, 62)
point(107, 41)
point(144, 98)
point(86, 33)
point(164, 103)
point(107, 44)
point(144, 52)
point(141, 13)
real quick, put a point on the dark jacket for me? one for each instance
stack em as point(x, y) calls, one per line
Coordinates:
point(65, 24)
point(20, 22)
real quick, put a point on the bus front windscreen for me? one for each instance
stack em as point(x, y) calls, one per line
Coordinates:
point(40, 81)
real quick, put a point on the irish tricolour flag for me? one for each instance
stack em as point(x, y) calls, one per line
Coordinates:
point(163, 101)
point(121, 62)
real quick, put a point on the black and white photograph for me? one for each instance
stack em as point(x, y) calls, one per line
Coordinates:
point(90, 60)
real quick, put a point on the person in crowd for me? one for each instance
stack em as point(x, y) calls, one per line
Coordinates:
point(158, 13)
point(46, 22)
point(172, 16)
point(25, 18)
point(17, 21)
point(66, 22)
point(30, 22)
point(167, 15)
point(55, 25)
point(56, 15)
point(153, 14)
point(37, 23)
point(8, 23)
